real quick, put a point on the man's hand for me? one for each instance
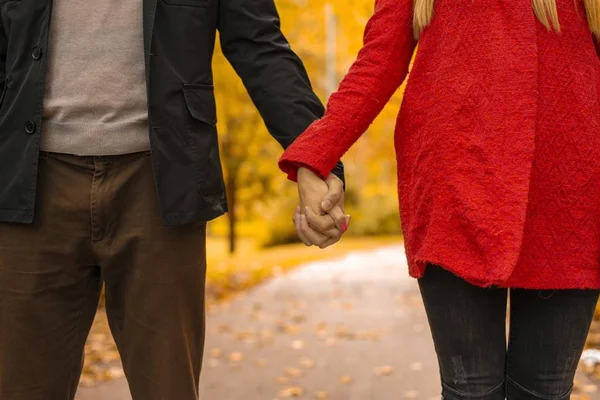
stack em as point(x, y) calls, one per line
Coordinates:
point(320, 219)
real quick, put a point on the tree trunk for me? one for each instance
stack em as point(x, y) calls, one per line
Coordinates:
point(232, 217)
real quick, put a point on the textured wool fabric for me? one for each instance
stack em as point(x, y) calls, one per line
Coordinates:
point(95, 99)
point(498, 139)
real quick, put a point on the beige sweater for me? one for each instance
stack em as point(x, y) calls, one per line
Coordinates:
point(95, 101)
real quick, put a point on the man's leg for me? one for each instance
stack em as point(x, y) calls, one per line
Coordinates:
point(49, 287)
point(154, 282)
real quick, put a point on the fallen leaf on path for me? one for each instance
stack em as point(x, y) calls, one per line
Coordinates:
point(590, 388)
point(417, 366)
point(411, 394)
point(266, 337)
point(580, 397)
point(320, 326)
point(298, 344)
point(299, 304)
point(236, 356)
point(114, 373)
point(299, 318)
point(292, 391)
point(321, 395)
point(216, 353)
point(261, 362)
point(385, 370)
point(86, 380)
point(294, 373)
point(282, 380)
point(292, 329)
point(306, 362)
point(248, 336)
point(346, 379)
point(108, 356)
point(213, 362)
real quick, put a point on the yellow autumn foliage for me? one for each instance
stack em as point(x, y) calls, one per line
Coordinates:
point(262, 199)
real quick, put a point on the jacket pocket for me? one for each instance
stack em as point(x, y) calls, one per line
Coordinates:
point(200, 103)
point(188, 3)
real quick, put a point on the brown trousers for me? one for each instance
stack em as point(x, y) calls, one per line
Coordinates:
point(98, 221)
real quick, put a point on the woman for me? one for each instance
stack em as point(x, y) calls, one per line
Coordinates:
point(498, 150)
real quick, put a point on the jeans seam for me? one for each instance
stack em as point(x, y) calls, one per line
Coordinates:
point(471, 395)
point(511, 333)
point(77, 328)
point(541, 396)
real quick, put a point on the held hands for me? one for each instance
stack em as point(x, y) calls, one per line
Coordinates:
point(320, 219)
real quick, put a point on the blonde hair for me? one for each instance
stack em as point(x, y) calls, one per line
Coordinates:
point(545, 10)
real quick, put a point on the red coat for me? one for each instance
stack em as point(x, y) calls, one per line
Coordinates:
point(498, 139)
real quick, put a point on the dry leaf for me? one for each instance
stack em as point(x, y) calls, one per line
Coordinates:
point(298, 344)
point(86, 380)
point(292, 391)
point(385, 370)
point(213, 362)
point(108, 356)
point(292, 329)
point(236, 356)
point(216, 353)
point(282, 380)
point(417, 366)
point(590, 388)
point(299, 304)
point(294, 372)
point(346, 379)
point(261, 362)
point(321, 395)
point(299, 318)
point(306, 362)
point(248, 336)
point(320, 326)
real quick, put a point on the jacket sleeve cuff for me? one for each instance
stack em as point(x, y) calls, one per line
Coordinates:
point(291, 161)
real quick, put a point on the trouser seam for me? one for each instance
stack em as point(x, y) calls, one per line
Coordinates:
point(511, 333)
point(96, 229)
point(473, 395)
point(77, 330)
point(538, 395)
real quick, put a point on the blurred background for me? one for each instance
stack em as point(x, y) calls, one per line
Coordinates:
point(286, 321)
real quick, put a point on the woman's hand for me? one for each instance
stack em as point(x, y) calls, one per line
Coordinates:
point(320, 219)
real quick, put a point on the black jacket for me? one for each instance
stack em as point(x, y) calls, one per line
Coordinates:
point(179, 40)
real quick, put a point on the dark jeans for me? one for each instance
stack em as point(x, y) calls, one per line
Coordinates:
point(548, 330)
point(98, 221)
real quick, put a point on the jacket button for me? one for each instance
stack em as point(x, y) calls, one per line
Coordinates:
point(30, 127)
point(36, 53)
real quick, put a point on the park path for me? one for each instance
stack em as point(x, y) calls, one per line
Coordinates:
point(347, 329)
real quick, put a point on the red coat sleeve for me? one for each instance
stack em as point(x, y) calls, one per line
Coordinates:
point(381, 67)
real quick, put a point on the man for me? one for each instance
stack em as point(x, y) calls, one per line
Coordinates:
point(109, 169)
